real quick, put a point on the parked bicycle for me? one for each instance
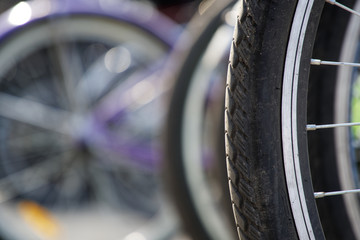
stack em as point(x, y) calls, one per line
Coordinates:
point(78, 157)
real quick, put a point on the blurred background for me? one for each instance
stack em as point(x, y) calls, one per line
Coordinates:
point(111, 119)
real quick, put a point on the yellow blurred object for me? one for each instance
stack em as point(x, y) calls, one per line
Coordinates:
point(39, 219)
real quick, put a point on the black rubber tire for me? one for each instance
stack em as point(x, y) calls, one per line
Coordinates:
point(200, 30)
point(253, 119)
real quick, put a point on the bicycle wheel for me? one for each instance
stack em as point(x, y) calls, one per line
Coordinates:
point(287, 182)
point(78, 161)
point(195, 168)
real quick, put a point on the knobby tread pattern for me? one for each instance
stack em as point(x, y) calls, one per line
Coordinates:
point(237, 120)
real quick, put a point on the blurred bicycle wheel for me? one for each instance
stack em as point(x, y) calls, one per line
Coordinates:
point(195, 157)
point(79, 157)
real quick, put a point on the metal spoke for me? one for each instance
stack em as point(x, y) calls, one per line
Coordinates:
point(312, 127)
point(333, 63)
point(333, 2)
point(134, 95)
point(70, 182)
point(69, 67)
point(103, 184)
point(90, 88)
point(35, 114)
point(30, 178)
point(335, 193)
point(35, 140)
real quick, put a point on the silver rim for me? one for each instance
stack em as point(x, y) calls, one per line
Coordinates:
point(289, 122)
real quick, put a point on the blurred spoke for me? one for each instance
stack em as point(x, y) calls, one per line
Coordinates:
point(103, 184)
point(137, 93)
point(105, 73)
point(70, 70)
point(39, 140)
point(31, 178)
point(35, 114)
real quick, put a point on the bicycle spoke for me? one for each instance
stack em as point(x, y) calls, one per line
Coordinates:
point(317, 62)
point(35, 140)
point(35, 114)
point(90, 88)
point(100, 179)
point(312, 127)
point(333, 2)
point(335, 193)
point(71, 183)
point(125, 154)
point(69, 67)
point(333, 63)
point(137, 94)
point(30, 179)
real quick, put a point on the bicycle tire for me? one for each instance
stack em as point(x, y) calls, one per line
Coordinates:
point(201, 216)
point(267, 110)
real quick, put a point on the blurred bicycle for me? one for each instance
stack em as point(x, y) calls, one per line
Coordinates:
point(79, 80)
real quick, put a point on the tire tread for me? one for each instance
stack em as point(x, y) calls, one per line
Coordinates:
point(237, 119)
